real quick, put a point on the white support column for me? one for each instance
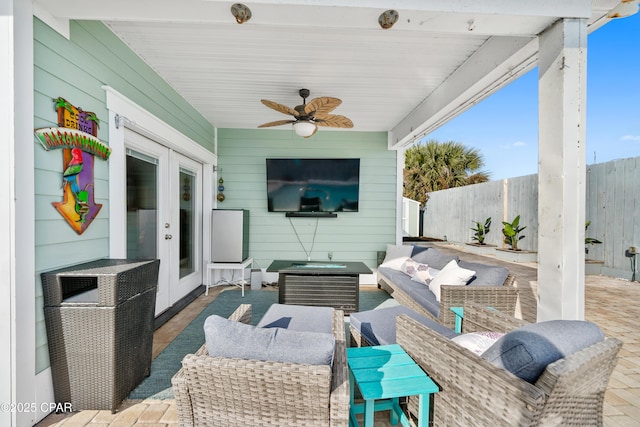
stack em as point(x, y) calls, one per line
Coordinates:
point(17, 215)
point(562, 165)
point(399, 193)
point(7, 214)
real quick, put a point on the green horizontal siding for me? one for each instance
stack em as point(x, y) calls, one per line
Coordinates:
point(352, 236)
point(77, 69)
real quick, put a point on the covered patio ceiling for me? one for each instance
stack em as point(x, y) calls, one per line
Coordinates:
point(439, 59)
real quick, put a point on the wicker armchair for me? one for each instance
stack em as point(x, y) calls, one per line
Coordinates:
point(215, 391)
point(570, 392)
point(502, 298)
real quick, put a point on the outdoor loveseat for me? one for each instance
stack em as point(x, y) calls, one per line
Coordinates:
point(495, 388)
point(245, 391)
point(489, 285)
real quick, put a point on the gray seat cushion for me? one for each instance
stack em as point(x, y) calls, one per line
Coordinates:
point(420, 293)
point(528, 350)
point(486, 275)
point(231, 339)
point(379, 326)
point(298, 318)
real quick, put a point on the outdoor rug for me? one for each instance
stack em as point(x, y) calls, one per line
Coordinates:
point(169, 361)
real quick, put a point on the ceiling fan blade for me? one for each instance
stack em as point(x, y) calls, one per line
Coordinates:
point(276, 123)
point(322, 105)
point(280, 108)
point(334, 121)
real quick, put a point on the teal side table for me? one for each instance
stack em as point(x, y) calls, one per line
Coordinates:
point(383, 374)
point(459, 312)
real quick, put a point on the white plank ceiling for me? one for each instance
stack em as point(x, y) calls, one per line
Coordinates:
point(439, 58)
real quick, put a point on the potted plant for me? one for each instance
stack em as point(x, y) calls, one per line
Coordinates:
point(481, 231)
point(589, 241)
point(591, 266)
point(479, 246)
point(511, 232)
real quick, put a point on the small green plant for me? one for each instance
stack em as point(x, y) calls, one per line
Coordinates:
point(481, 231)
point(511, 232)
point(589, 240)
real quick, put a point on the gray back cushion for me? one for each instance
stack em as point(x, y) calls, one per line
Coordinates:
point(528, 350)
point(379, 326)
point(228, 338)
point(486, 275)
point(433, 258)
point(298, 318)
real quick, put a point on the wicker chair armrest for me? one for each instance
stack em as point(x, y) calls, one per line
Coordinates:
point(339, 400)
point(183, 400)
point(242, 314)
point(575, 386)
point(502, 298)
point(510, 281)
point(472, 390)
point(586, 363)
point(478, 317)
point(179, 381)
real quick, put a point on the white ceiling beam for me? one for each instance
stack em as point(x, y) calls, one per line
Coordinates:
point(500, 61)
point(350, 13)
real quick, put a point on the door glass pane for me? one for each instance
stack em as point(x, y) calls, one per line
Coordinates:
point(142, 206)
point(188, 192)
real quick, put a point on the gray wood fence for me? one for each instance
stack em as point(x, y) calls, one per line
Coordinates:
point(612, 206)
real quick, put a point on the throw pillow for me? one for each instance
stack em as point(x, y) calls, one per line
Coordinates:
point(228, 338)
point(417, 249)
point(422, 276)
point(396, 256)
point(528, 350)
point(411, 267)
point(433, 258)
point(486, 275)
point(451, 274)
point(478, 342)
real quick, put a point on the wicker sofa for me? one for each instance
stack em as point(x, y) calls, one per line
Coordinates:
point(502, 296)
point(570, 391)
point(219, 391)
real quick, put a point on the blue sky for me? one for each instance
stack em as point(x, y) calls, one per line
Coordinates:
point(504, 127)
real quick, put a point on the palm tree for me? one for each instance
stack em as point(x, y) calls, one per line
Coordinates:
point(434, 165)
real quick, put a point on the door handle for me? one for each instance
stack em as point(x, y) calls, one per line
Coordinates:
point(168, 237)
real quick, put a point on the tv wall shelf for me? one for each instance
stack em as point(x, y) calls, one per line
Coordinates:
point(311, 215)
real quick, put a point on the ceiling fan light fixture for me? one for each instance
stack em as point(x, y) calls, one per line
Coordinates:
point(624, 8)
point(388, 18)
point(304, 128)
point(241, 12)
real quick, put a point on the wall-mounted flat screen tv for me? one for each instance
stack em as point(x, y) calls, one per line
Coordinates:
point(313, 185)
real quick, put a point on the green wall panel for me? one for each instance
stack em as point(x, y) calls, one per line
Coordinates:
point(352, 236)
point(77, 69)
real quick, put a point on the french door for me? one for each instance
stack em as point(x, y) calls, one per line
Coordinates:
point(164, 215)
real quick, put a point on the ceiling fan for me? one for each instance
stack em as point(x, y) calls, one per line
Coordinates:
point(308, 116)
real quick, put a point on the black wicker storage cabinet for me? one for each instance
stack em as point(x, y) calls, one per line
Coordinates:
point(99, 317)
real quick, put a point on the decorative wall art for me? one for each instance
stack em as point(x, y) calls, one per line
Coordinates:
point(77, 135)
point(220, 196)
